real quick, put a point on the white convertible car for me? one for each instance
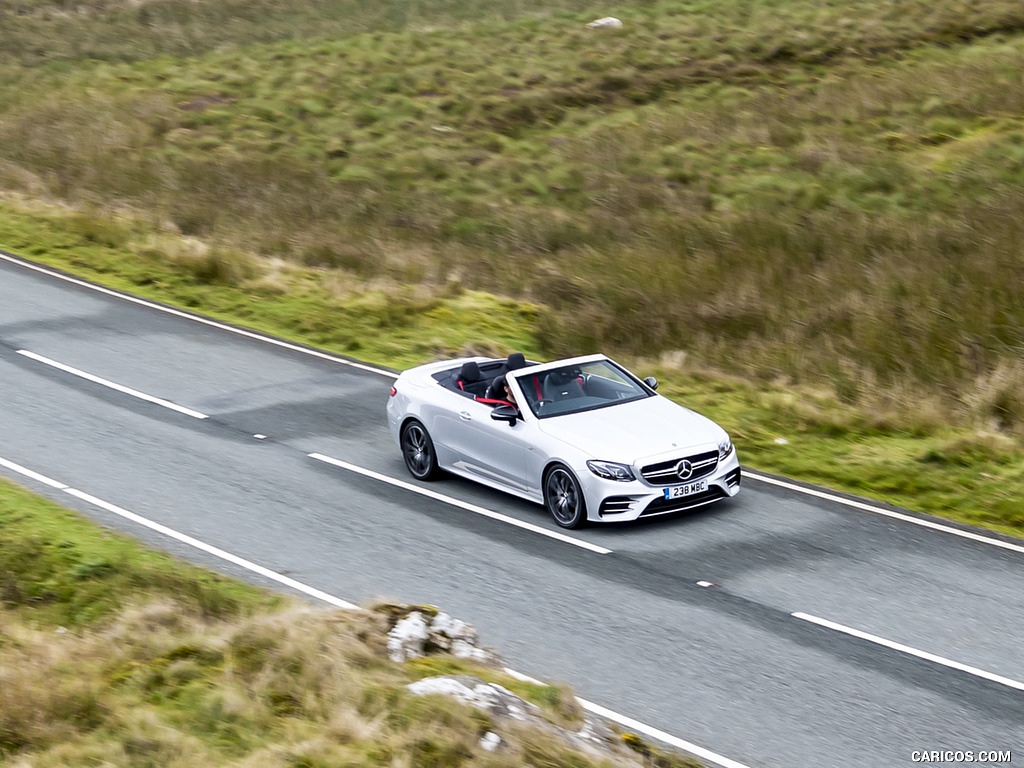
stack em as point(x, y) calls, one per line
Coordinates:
point(584, 436)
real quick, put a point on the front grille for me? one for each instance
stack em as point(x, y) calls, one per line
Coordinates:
point(664, 472)
point(668, 506)
point(614, 505)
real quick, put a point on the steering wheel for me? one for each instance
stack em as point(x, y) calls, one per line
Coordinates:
point(541, 404)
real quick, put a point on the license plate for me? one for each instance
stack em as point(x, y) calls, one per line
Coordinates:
point(678, 491)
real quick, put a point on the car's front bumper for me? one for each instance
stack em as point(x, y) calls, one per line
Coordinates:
point(613, 501)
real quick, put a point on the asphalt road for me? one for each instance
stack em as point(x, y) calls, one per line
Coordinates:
point(727, 667)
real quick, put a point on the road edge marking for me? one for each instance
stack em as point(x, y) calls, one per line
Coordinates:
point(113, 385)
point(34, 475)
point(459, 503)
point(886, 512)
point(660, 735)
point(215, 551)
point(182, 537)
point(892, 645)
point(195, 318)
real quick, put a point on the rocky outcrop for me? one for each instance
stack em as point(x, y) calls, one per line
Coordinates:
point(419, 633)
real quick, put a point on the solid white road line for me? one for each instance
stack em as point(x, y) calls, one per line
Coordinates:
point(183, 538)
point(34, 475)
point(655, 733)
point(886, 512)
point(461, 504)
point(1007, 681)
point(215, 551)
point(114, 386)
point(196, 319)
point(330, 599)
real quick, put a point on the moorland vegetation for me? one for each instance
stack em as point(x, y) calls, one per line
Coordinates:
point(785, 195)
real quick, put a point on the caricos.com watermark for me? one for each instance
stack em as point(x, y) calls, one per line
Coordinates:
point(960, 756)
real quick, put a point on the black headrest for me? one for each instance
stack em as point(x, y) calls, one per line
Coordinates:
point(470, 372)
point(516, 361)
point(562, 376)
point(497, 388)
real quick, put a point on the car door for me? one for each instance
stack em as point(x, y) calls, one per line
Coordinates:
point(492, 451)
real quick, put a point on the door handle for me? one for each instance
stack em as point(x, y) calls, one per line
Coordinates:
point(464, 415)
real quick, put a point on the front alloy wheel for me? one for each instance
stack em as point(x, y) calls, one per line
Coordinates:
point(418, 451)
point(564, 497)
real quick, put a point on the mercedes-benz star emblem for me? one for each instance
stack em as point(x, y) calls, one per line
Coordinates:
point(684, 469)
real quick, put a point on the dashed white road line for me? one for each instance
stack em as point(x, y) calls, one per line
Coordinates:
point(337, 602)
point(1007, 681)
point(196, 318)
point(113, 385)
point(886, 512)
point(461, 504)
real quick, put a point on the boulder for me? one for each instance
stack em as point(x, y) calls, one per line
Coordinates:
point(417, 634)
point(408, 638)
point(608, 22)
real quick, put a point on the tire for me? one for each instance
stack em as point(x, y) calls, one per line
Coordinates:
point(564, 498)
point(418, 451)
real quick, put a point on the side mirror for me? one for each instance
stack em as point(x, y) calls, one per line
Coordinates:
point(651, 382)
point(505, 413)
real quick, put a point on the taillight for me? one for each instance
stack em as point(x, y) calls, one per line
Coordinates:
point(393, 391)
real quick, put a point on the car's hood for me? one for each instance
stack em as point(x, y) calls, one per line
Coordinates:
point(631, 431)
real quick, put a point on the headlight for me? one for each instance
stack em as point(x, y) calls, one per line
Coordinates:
point(611, 470)
point(724, 447)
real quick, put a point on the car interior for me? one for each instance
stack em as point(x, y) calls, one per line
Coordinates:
point(475, 380)
point(550, 393)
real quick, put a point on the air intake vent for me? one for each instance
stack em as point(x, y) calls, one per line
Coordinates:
point(615, 505)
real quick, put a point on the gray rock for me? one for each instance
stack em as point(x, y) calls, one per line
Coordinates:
point(408, 637)
point(490, 741)
point(608, 22)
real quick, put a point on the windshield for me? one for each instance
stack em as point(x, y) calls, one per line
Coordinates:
point(576, 388)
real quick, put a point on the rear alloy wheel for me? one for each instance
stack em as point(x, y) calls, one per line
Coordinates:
point(418, 451)
point(564, 498)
